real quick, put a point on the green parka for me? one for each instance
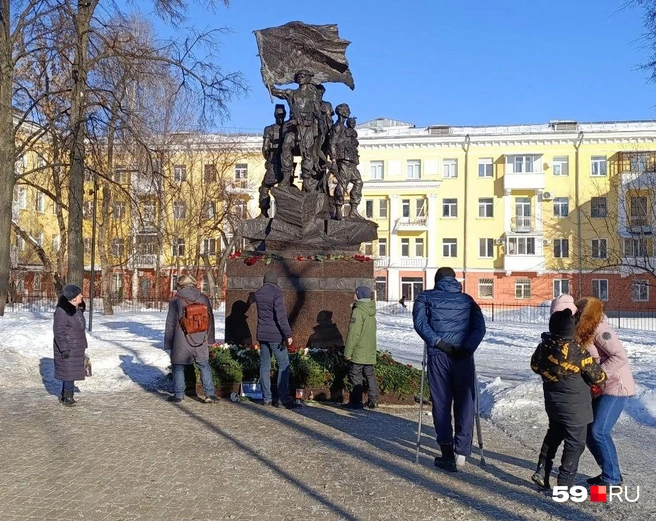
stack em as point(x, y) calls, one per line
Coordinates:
point(361, 339)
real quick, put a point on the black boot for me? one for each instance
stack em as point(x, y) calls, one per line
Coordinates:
point(542, 473)
point(338, 212)
point(447, 461)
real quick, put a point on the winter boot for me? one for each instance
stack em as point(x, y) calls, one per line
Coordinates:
point(338, 212)
point(542, 473)
point(69, 402)
point(447, 461)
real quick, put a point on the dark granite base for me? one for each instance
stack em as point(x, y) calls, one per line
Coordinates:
point(318, 298)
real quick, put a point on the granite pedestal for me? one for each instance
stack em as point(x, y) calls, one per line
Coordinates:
point(318, 297)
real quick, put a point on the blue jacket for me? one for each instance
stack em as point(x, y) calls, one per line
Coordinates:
point(446, 313)
point(272, 323)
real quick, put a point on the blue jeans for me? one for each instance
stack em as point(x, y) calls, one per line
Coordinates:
point(68, 388)
point(607, 410)
point(282, 357)
point(205, 378)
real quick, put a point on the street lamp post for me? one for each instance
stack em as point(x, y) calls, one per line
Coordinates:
point(93, 250)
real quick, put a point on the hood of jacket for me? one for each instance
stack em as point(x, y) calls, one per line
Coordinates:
point(589, 315)
point(366, 305)
point(449, 284)
point(190, 293)
point(69, 308)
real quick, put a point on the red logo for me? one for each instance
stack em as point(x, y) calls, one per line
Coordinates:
point(598, 494)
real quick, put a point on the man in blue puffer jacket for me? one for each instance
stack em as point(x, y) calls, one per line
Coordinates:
point(452, 325)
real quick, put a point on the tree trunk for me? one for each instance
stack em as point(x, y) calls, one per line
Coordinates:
point(85, 10)
point(7, 149)
point(105, 268)
point(43, 256)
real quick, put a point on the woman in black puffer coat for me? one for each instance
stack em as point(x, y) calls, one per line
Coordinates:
point(70, 341)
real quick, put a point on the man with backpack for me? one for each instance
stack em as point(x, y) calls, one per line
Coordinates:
point(189, 330)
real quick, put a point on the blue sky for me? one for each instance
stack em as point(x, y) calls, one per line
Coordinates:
point(460, 63)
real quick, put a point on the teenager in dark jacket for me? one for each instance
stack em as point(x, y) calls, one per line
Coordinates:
point(273, 335)
point(567, 371)
point(452, 325)
point(189, 349)
point(360, 349)
point(70, 341)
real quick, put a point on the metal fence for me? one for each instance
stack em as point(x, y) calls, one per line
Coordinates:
point(644, 320)
point(38, 304)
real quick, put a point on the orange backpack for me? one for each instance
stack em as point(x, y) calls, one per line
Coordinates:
point(195, 318)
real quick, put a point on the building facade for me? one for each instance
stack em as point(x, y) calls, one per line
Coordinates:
point(522, 213)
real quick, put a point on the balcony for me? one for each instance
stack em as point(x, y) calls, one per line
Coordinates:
point(524, 181)
point(418, 263)
point(639, 225)
point(142, 185)
point(517, 263)
point(145, 260)
point(523, 224)
point(411, 224)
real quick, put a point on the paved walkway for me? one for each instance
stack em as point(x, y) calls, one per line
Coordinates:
point(134, 456)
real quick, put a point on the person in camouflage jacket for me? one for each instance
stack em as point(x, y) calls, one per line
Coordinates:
point(568, 371)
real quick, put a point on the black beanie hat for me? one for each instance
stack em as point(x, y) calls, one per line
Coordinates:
point(562, 323)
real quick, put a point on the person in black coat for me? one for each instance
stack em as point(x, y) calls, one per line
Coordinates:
point(274, 335)
point(567, 371)
point(70, 342)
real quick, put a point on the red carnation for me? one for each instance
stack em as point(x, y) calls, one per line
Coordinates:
point(299, 258)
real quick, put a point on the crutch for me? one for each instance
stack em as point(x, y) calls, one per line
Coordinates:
point(421, 401)
point(477, 414)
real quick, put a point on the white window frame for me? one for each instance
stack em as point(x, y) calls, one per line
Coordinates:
point(39, 239)
point(420, 250)
point(521, 245)
point(485, 248)
point(560, 287)
point(118, 210)
point(177, 246)
point(369, 208)
point(601, 286)
point(56, 243)
point(405, 247)
point(179, 210)
point(420, 207)
point(382, 208)
point(522, 289)
point(179, 173)
point(209, 246)
point(597, 248)
point(450, 169)
point(558, 248)
point(523, 164)
point(413, 169)
point(597, 200)
point(368, 248)
point(485, 204)
point(382, 247)
point(486, 284)
point(40, 202)
point(449, 247)
point(486, 168)
point(598, 166)
point(560, 166)
point(241, 172)
point(635, 247)
point(377, 170)
point(20, 197)
point(561, 207)
point(640, 291)
point(36, 282)
point(209, 210)
point(118, 247)
point(405, 207)
point(449, 208)
point(241, 209)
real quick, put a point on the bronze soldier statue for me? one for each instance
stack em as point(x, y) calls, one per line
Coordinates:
point(271, 150)
point(302, 129)
point(344, 154)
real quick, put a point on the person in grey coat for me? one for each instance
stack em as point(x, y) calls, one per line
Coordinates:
point(70, 341)
point(189, 349)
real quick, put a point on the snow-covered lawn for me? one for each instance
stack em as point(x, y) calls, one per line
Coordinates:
point(126, 351)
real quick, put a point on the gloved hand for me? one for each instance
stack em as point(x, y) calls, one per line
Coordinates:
point(66, 354)
point(445, 347)
point(596, 390)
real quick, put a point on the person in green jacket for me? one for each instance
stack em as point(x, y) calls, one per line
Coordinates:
point(360, 349)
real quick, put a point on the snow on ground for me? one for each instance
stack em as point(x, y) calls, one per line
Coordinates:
point(126, 351)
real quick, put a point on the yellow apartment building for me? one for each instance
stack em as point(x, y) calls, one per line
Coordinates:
point(521, 212)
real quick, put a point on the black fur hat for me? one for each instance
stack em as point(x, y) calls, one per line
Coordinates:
point(562, 323)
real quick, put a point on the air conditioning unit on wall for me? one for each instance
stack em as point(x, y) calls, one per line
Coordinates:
point(499, 241)
point(546, 242)
point(547, 196)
